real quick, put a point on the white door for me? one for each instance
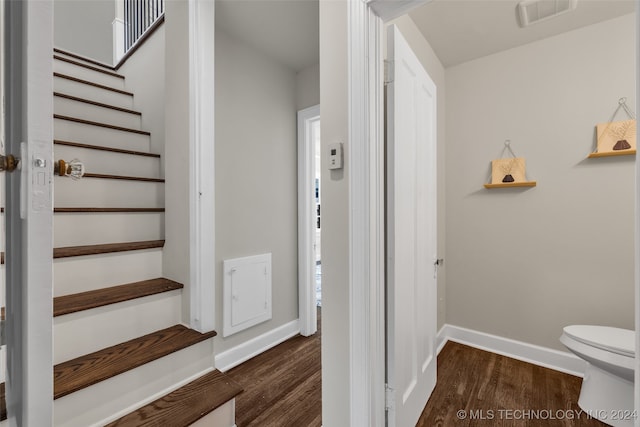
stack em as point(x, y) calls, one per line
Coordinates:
point(27, 90)
point(411, 234)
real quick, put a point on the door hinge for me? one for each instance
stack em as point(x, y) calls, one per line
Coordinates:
point(388, 71)
point(389, 398)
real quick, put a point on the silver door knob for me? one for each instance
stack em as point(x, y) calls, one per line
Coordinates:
point(8, 163)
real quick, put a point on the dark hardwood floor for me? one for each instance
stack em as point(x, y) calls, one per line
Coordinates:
point(282, 387)
point(503, 391)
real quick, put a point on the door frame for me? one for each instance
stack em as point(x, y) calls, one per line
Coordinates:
point(29, 213)
point(366, 205)
point(201, 158)
point(637, 231)
point(307, 313)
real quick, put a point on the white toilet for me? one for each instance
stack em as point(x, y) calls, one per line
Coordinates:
point(607, 387)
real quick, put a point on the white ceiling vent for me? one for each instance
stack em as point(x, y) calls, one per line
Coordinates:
point(533, 11)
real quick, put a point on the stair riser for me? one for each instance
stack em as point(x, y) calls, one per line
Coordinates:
point(110, 163)
point(86, 111)
point(84, 332)
point(83, 73)
point(98, 192)
point(96, 135)
point(86, 273)
point(223, 416)
point(82, 90)
point(79, 229)
point(105, 66)
point(109, 398)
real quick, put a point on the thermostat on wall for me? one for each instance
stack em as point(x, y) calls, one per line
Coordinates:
point(335, 156)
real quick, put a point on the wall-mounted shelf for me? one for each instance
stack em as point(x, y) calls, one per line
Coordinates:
point(509, 172)
point(511, 184)
point(612, 154)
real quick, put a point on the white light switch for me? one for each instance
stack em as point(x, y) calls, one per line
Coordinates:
point(335, 156)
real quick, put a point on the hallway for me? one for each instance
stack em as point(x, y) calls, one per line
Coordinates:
point(282, 388)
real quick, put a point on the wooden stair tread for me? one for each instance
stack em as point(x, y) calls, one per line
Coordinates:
point(83, 58)
point(84, 371)
point(121, 177)
point(87, 66)
point(107, 210)
point(103, 125)
point(185, 405)
point(97, 104)
point(99, 147)
point(70, 251)
point(87, 82)
point(100, 297)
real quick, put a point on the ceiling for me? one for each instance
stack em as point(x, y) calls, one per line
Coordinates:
point(462, 30)
point(286, 30)
point(458, 30)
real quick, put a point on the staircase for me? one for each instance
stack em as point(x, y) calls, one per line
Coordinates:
point(121, 354)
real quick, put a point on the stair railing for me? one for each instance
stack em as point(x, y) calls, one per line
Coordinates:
point(139, 16)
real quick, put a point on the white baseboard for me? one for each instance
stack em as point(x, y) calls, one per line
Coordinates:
point(542, 356)
point(245, 351)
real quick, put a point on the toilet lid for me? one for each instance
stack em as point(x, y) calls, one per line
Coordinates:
point(616, 340)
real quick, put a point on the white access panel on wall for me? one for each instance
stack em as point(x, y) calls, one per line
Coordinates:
point(246, 293)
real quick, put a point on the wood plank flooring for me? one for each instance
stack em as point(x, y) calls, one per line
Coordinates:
point(505, 391)
point(282, 387)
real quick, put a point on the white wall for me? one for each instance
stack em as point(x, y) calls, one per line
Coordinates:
point(524, 263)
point(335, 216)
point(85, 27)
point(436, 71)
point(256, 174)
point(144, 74)
point(308, 87)
point(176, 251)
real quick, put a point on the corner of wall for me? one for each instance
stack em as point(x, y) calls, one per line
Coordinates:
point(561, 361)
point(176, 252)
point(520, 258)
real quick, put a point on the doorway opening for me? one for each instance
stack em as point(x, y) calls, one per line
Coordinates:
point(315, 141)
point(309, 218)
